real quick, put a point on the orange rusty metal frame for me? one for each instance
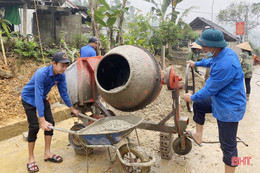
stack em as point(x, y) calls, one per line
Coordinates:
point(173, 84)
point(86, 67)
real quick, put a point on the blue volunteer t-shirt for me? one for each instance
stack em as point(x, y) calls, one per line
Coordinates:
point(36, 90)
point(87, 51)
point(225, 86)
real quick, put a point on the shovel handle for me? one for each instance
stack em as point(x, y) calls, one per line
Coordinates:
point(63, 130)
point(85, 116)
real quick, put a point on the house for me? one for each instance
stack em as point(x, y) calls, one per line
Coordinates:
point(53, 18)
point(200, 23)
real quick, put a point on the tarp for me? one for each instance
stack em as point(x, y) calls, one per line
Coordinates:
point(256, 60)
point(12, 14)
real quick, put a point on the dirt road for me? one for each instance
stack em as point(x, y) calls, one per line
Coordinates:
point(207, 158)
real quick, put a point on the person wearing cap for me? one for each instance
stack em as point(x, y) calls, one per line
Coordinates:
point(89, 50)
point(194, 54)
point(223, 94)
point(34, 96)
point(247, 65)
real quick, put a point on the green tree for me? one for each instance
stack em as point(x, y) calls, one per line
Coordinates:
point(139, 31)
point(174, 12)
point(237, 12)
point(160, 10)
point(106, 16)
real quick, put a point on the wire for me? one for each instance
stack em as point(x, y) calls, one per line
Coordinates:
point(197, 11)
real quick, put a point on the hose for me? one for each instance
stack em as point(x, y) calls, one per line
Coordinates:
point(257, 83)
point(215, 142)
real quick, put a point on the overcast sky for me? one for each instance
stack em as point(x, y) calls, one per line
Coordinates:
point(204, 9)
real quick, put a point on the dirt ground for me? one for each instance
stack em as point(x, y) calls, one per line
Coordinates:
point(207, 158)
point(11, 109)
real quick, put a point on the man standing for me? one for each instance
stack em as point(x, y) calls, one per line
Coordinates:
point(194, 54)
point(89, 50)
point(223, 94)
point(247, 65)
point(34, 98)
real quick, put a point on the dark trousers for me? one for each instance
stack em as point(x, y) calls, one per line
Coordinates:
point(228, 140)
point(227, 130)
point(248, 87)
point(32, 119)
point(200, 109)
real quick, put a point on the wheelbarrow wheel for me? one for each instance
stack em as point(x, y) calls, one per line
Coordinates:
point(177, 146)
point(135, 154)
point(75, 142)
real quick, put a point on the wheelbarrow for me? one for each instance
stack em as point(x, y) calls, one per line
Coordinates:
point(110, 132)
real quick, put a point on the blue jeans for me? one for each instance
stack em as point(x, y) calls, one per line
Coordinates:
point(227, 130)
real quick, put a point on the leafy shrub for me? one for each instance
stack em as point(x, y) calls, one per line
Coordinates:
point(105, 44)
point(139, 32)
point(27, 49)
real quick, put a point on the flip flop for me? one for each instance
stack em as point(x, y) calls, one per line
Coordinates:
point(32, 165)
point(190, 136)
point(55, 158)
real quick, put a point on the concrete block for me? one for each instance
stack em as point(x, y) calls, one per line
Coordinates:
point(25, 136)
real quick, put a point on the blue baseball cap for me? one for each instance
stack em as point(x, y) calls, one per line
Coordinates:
point(61, 57)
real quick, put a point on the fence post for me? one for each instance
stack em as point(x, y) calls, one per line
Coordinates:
point(163, 57)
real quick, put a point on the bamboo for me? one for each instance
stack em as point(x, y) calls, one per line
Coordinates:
point(3, 49)
point(38, 29)
point(119, 38)
point(94, 24)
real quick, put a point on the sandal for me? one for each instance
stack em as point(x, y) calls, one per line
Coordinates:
point(55, 158)
point(191, 136)
point(32, 167)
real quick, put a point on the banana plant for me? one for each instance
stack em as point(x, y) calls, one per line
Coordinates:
point(4, 23)
point(160, 11)
point(106, 16)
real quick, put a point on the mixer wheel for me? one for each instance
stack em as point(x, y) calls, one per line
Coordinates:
point(177, 146)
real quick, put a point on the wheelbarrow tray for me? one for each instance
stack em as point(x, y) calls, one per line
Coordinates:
point(109, 130)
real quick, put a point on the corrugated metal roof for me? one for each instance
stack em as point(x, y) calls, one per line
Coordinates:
point(200, 23)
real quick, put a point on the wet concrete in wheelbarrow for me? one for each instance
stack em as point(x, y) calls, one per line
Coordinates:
point(207, 158)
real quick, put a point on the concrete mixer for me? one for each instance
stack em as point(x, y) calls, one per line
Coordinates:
point(129, 78)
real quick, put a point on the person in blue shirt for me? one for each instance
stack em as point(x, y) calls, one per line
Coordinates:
point(89, 50)
point(34, 98)
point(223, 94)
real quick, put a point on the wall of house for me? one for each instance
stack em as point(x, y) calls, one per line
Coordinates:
point(29, 21)
point(69, 26)
point(233, 46)
point(52, 28)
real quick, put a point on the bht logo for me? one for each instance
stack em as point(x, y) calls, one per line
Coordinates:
point(240, 160)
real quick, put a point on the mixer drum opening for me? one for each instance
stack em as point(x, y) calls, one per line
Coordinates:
point(113, 72)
